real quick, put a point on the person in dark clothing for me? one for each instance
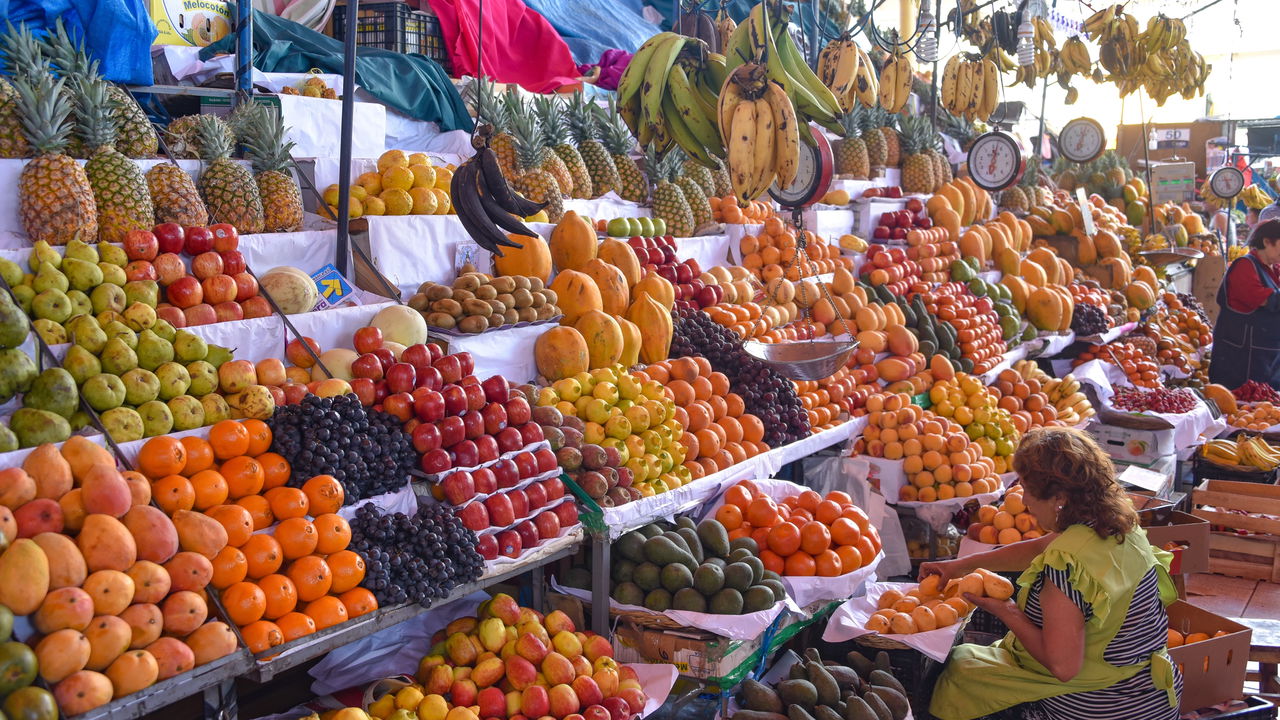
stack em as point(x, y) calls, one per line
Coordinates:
point(1246, 338)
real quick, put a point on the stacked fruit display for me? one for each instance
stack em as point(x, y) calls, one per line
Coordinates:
point(725, 209)
point(829, 401)
point(1251, 451)
point(1006, 523)
point(477, 302)
point(718, 432)
point(805, 534)
point(694, 567)
point(102, 574)
point(975, 407)
point(979, 324)
point(1159, 400)
point(1253, 391)
point(859, 689)
point(891, 268)
point(404, 184)
point(1256, 417)
point(1062, 403)
point(421, 557)
point(657, 255)
point(1138, 365)
point(929, 607)
point(775, 253)
point(509, 661)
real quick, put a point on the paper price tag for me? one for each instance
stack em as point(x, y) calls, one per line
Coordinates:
point(470, 251)
point(1086, 212)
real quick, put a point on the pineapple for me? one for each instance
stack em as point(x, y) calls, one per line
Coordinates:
point(724, 185)
point(917, 166)
point(55, 200)
point(874, 140)
point(531, 180)
point(892, 152)
point(23, 57)
point(175, 197)
point(183, 136)
point(941, 168)
point(281, 197)
point(701, 175)
point(694, 194)
point(551, 115)
point(228, 188)
point(491, 109)
point(851, 153)
point(1013, 198)
point(669, 202)
point(119, 188)
point(617, 140)
point(582, 128)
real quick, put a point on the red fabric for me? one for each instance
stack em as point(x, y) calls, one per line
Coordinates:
point(520, 46)
point(1245, 291)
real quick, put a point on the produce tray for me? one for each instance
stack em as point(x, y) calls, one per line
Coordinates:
point(1206, 469)
point(450, 333)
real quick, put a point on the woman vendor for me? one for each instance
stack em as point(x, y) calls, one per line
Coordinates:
point(1088, 629)
point(1246, 338)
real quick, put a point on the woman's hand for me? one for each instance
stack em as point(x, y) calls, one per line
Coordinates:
point(999, 608)
point(946, 570)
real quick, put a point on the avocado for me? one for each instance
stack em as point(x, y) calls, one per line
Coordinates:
point(882, 662)
point(676, 577)
point(796, 672)
point(661, 551)
point(744, 543)
point(622, 570)
point(771, 575)
point(892, 699)
point(795, 712)
point(860, 663)
point(757, 568)
point(878, 706)
point(757, 598)
point(828, 690)
point(846, 677)
point(715, 540)
point(739, 576)
point(779, 590)
point(691, 540)
point(825, 712)
point(658, 600)
point(718, 562)
point(880, 677)
point(740, 554)
point(679, 541)
point(857, 709)
point(798, 692)
point(628, 593)
point(685, 521)
point(708, 579)
point(631, 546)
point(688, 599)
point(754, 695)
point(650, 530)
point(726, 602)
point(757, 715)
point(648, 576)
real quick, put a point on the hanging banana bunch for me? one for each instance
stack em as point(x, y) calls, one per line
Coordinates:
point(970, 88)
point(1046, 54)
point(895, 83)
point(725, 26)
point(1158, 59)
point(847, 72)
point(760, 129)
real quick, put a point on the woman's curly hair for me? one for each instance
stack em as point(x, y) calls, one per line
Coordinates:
point(1067, 462)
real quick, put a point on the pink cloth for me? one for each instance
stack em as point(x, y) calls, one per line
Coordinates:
point(520, 46)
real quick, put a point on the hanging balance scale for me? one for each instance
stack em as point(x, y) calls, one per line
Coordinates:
point(1226, 182)
point(995, 161)
point(1082, 140)
point(808, 359)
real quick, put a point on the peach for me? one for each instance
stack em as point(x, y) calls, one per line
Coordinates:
point(109, 636)
point(597, 646)
point(531, 648)
point(488, 672)
point(587, 690)
point(563, 700)
point(505, 608)
point(567, 644)
point(146, 621)
point(151, 582)
point(520, 672)
point(534, 701)
point(83, 691)
point(68, 607)
point(111, 590)
point(463, 692)
point(558, 669)
point(492, 702)
point(172, 657)
point(557, 622)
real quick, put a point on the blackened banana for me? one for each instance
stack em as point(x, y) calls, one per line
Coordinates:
point(496, 186)
point(465, 194)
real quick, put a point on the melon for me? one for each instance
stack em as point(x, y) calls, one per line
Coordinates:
point(292, 290)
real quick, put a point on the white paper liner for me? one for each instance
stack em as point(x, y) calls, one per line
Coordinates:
point(571, 535)
point(507, 352)
point(1052, 345)
point(1006, 362)
point(1188, 427)
point(607, 207)
point(402, 501)
point(849, 621)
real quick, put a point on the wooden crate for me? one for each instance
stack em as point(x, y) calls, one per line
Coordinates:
point(1255, 557)
point(1250, 500)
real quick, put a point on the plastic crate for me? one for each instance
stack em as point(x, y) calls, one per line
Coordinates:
point(395, 26)
point(1207, 470)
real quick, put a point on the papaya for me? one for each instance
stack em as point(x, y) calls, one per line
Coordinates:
point(949, 220)
point(197, 533)
point(1139, 295)
point(576, 294)
point(561, 352)
point(24, 577)
point(902, 342)
point(1040, 227)
point(1222, 396)
point(941, 368)
point(1120, 274)
point(1033, 272)
point(955, 198)
point(657, 287)
point(1008, 261)
point(656, 329)
point(532, 258)
point(1145, 275)
point(622, 256)
point(603, 337)
point(894, 369)
point(1025, 234)
point(972, 246)
point(1019, 289)
point(877, 341)
point(1046, 259)
point(1107, 244)
point(1086, 250)
point(573, 242)
point(615, 293)
point(1044, 309)
point(630, 342)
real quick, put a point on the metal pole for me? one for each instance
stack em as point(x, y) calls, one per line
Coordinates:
point(815, 36)
point(344, 147)
point(937, 35)
point(244, 48)
point(1044, 98)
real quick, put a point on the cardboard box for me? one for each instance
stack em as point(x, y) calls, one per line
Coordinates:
point(190, 22)
point(1136, 447)
point(1173, 181)
point(1181, 529)
point(695, 653)
point(1212, 670)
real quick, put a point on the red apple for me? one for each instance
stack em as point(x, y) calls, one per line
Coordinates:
point(256, 306)
point(548, 524)
point(429, 406)
point(385, 357)
point(536, 495)
point(519, 503)
point(475, 396)
point(296, 353)
point(546, 460)
point(518, 411)
point(530, 433)
point(219, 289)
point(400, 377)
point(486, 448)
point(198, 240)
point(399, 405)
point(509, 543)
point(294, 392)
point(495, 418)
point(185, 292)
point(435, 461)
point(466, 362)
point(487, 546)
point(246, 286)
point(169, 237)
point(429, 377)
point(495, 388)
point(206, 265)
point(228, 311)
point(568, 514)
point(140, 245)
point(171, 314)
point(225, 237)
point(201, 314)
point(365, 390)
point(526, 465)
point(168, 267)
point(367, 366)
point(473, 421)
point(140, 270)
point(486, 482)
point(474, 516)
point(554, 487)
point(455, 399)
point(500, 511)
point(426, 437)
point(450, 368)
point(509, 440)
point(465, 454)
point(458, 487)
point(528, 533)
point(507, 473)
point(452, 431)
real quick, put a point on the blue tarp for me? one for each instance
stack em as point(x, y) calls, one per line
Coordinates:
point(119, 32)
point(590, 27)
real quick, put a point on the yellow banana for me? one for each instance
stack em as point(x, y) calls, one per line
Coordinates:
point(866, 83)
point(786, 145)
point(950, 74)
point(762, 172)
point(888, 85)
point(903, 74)
point(990, 88)
point(742, 146)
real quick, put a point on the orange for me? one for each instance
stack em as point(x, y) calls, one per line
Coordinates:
point(173, 493)
point(681, 393)
point(815, 538)
point(162, 456)
point(237, 521)
point(850, 558)
point(210, 489)
point(259, 437)
point(735, 404)
point(719, 384)
point(730, 516)
point(199, 455)
point(809, 500)
point(275, 470)
point(259, 509)
point(333, 533)
point(856, 514)
point(866, 549)
point(801, 564)
point(262, 635)
point(245, 602)
point(761, 536)
point(297, 537)
point(827, 512)
point(263, 555)
point(324, 494)
point(287, 502)
point(762, 512)
point(311, 576)
point(829, 564)
point(281, 596)
point(229, 439)
point(358, 601)
point(244, 476)
point(845, 531)
point(295, 625)
point(752, 428)
point(773, 561)
point(327, 612)
point(784, 539)
point(738, 495)
point(347, 568)
point(229, 568)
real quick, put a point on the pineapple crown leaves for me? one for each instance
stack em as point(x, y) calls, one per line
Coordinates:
point(552, 118)
point(45, 112)
point(614, 133)
point(583, 119)
point(214, 143)
point(852, 121)
point(264, 139)
point(95, 112)
point(23, 53)
point(527, 138)
point(487, 105)
point(916, 134)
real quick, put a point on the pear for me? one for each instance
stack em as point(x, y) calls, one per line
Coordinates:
point(8, 441)
point(189, 347)
point(11, 272)
point(23, 295)
point(204, 378)
point(49, 277)
point(216, 408)
point(140, 386)
point(166, 331)
point(37, 427)
point(113, 254)
point(80, 303)
point(78, 250)
point(82, 276)
point(14, 325)
point(174, 380)
point(113, 274)
point(153, 351)
point(17, 372)
point(53, 390)
point(218, 355)
point(79, 420)
point(146, 292)
point(81, 363)
point(139, 316)
point(106, 317)
point(51, 332)
point(103, 392)
point(117, 357)
point(88, 335)
point(117, 328)
point(52, 304)
point(42, 252)
point(107, 297)
point(157, 418)
point(189, 413)
point(122, 424)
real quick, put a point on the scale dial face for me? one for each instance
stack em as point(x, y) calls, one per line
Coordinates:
point(1226, 182)
point(995, 161)
point(813, 174)
point(1082, 140)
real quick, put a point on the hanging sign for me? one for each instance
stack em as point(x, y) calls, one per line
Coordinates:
point(333, 287)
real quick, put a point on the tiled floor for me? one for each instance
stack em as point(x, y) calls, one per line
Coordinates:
point(1234, 597)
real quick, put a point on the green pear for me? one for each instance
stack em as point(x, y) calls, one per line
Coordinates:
point(218, 355)
point(174, 380)
point(103, 392)
point(14, 325)
point(140, 386)
point(81, 363)
point(117, 357)
point(52, 304)
point(11, 272)
point(28, 279)
point(83, 276)
point(51, 332)
point(107, 297)
point(139, 316)
point(113, 274)
point(17, 373)
point(122, 424)
point(49, 277)
point(166, 331)
point(118, 329)
point(8, 441)
point(189, 347)
point(80, 303)
point(146, 292)
point(78, 250)
point(53, 390)
point(204, 378)
point(153, 351)
point(89, 336)
point(80, 324)
point(43, 252)
point(79, 420)
point(215, 407)
point(189, 413)
point(37, 427)
point(106, 317)
point(157, 418)
point(23, 295)
point(113, 254)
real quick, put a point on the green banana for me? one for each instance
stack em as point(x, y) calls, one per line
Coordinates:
point(690, 113)
point(717, 70)
point(682, 134)
point(799, 70)
point(655, 77)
